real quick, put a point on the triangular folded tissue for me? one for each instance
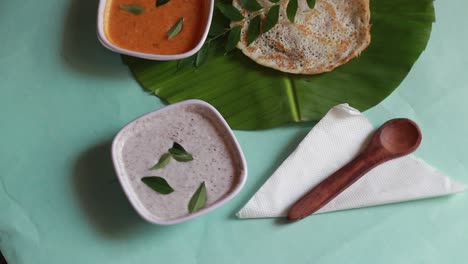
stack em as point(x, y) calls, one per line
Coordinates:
point(332, 143)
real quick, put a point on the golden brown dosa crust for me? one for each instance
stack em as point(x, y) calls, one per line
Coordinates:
point(320, 40)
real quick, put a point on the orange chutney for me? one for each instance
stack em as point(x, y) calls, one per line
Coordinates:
point(147, 32)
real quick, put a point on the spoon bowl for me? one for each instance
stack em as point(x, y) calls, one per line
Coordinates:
point(400, 136)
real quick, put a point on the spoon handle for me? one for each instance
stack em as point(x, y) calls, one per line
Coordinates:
point(329, 188)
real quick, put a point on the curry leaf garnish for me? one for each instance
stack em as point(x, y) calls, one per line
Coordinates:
point(202, 54)
point(274, 1)
point(134, 9)
point(219, 23)
point(216, 30)
point(233, 38)
point(291, 10)
point(198, 199)
point(182, 63)
point(158, 184)
point(311, 3)
point(175, 29)
point(161, 2)
point(251, 5)
point(163, 161)
point(254, 29)
point(229, 11)
point(271, 19)
point(200, 57)
point(179, 153)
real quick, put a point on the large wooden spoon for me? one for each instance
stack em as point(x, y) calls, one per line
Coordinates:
point(395, 138)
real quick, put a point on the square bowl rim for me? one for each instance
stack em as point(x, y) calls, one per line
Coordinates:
point(130, 192)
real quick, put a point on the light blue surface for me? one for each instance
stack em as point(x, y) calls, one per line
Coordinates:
point(64, 97)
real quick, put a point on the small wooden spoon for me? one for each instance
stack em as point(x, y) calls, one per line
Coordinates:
point(396, 138)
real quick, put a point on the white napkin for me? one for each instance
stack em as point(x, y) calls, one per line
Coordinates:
point(332, 143)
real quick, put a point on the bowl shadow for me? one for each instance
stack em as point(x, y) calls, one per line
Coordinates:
point(81, 49)
point(101, 197)
point(2, 259)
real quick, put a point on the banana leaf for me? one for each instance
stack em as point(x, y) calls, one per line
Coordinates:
point(250, 96)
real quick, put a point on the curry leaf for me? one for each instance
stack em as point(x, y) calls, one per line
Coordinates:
point(219, 23)
point(202, 54)
point(251, 5)
point(179, 153)
point(311, 3)
point(254, 29)
point(158, 184)
point(274, 1)
point(233, 38)
point(182, 63)
point(271, 18)
point(163, 161)
point(291, 10)
point(229, 11)
point(216, 30)
point(175, 29)
point(161, 2)
point(134, 9)
point(198, 199)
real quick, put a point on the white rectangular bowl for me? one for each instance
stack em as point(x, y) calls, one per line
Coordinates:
point(108, 44)
point(129, 130)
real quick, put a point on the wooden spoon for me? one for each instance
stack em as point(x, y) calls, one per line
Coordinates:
point(396, 138)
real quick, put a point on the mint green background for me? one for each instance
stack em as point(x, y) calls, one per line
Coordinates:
point(63, 97)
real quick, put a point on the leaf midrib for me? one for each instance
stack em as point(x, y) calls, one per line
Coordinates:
point(292, 98)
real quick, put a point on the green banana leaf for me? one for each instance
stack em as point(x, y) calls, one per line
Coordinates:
point(250, 96)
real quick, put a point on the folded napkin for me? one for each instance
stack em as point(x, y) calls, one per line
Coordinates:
point(332, 143)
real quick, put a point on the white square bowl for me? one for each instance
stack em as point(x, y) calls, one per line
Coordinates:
point(149, 56)
point(134, 127)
